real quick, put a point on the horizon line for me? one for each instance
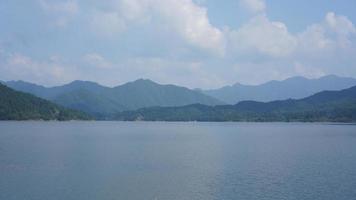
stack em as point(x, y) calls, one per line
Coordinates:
point(159, 83)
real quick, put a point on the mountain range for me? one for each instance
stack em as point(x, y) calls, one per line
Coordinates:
point(102, 101)
point(16, 105)
point(294, 88)
point(329, 106)
point(105, 102)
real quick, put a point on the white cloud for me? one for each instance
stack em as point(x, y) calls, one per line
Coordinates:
point(133, 10)
point(332, 34)
point(260, 35)
point(108, 24)
point(120, 15)
point(254, 6)
point(192, 22)
point(339, 24)
point(62, 11)
point(314, 39)
point(21, 67)
point(66, 6)
point(96, 60)
point(271, 38)
point(181, 17)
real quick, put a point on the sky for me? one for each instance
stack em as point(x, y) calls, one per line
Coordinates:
point(193, 43)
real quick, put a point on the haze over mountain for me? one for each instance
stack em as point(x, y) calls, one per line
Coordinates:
point(295, 88)
point(102, 101)
point(330, 106)
point(16, 105)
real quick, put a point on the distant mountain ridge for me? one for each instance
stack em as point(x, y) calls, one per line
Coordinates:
point(327, 106)
point(104, 101)
point(16, 105)
point(294, 88)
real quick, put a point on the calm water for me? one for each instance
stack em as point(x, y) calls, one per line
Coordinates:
point(153, 161)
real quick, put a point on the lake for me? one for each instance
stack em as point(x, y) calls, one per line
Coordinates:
point(177, 161)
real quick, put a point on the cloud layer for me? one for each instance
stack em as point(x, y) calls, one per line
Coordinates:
point(173, 41)
point(181, 17)
point(254, 6)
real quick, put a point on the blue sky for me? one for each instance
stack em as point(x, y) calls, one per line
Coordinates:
point(194, 43)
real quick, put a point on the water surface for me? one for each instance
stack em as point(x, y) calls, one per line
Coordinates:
point(178, 161)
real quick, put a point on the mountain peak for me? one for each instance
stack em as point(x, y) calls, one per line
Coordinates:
point(142, 80)
point(237, 84)
point(20, 82)
point(139, 82)
point(80, 82)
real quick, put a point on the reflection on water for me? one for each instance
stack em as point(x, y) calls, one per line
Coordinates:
point(117, 160)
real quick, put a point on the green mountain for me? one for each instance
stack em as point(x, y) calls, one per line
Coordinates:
point(295, 88)
point(22, 106)
point(331, 106)
point(104, 101)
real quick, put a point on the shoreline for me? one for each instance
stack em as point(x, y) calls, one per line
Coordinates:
point(190, 122)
